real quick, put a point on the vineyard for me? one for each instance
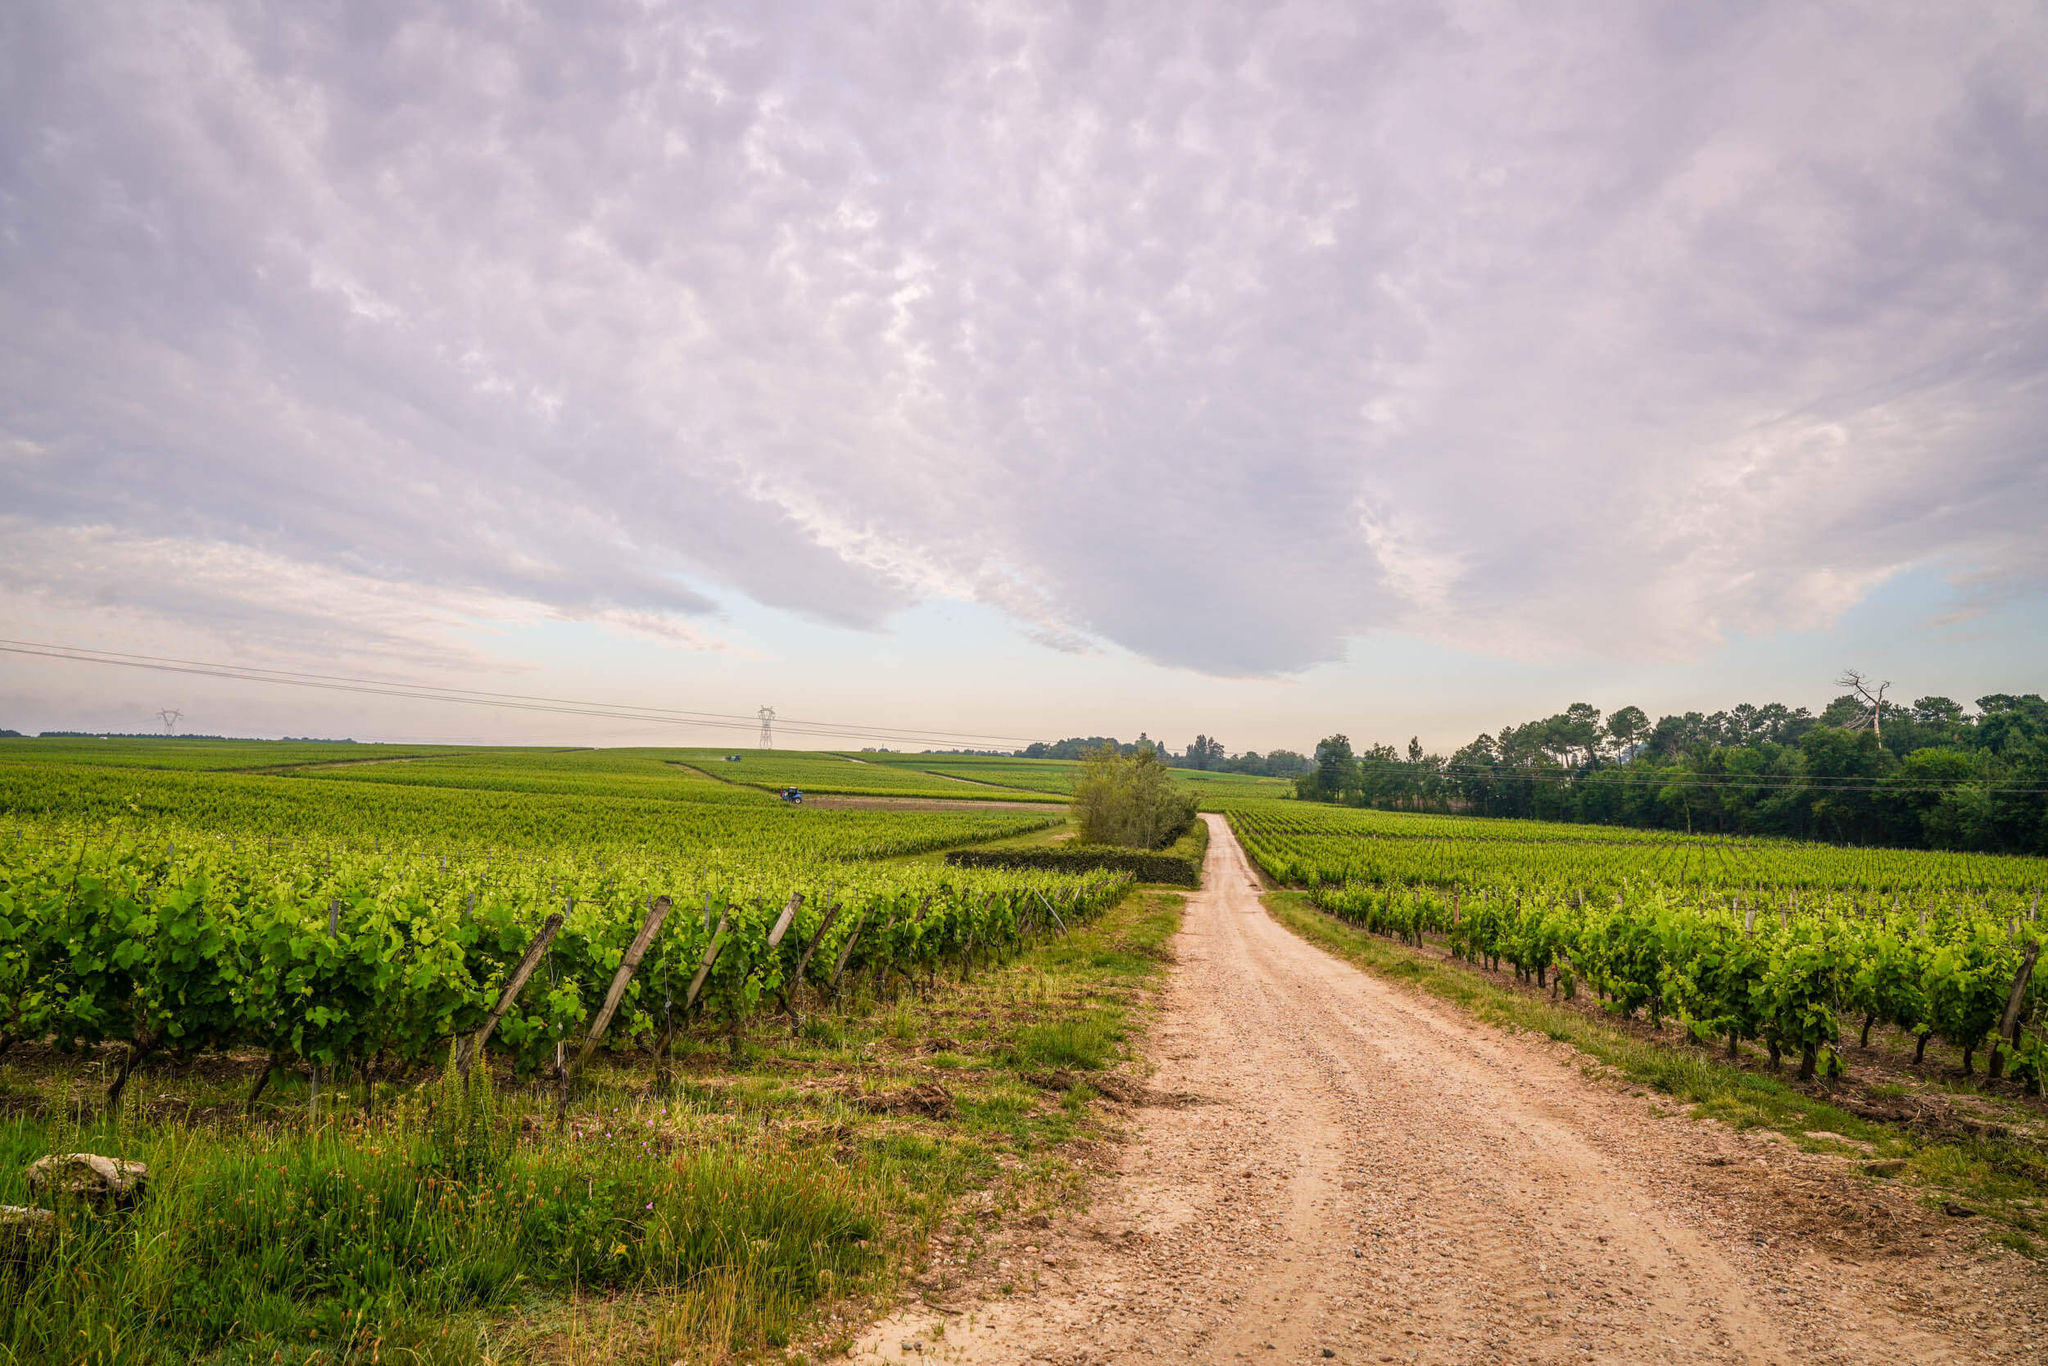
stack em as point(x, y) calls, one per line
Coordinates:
point(1784, 944)
point(336, 917)
point(840, 773)
point(422, 1047)
point(1057, 775)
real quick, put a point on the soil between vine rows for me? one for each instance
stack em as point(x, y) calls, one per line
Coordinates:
point(1353, 1167)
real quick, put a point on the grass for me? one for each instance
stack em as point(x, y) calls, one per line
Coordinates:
point(744, 1209)
point(2005, 1181)
point(1088, 1042)
point(344, 1243)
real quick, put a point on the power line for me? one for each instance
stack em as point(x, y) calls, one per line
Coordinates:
point(507, 701)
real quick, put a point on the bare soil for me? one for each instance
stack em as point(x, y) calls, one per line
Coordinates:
point(1326, 1166)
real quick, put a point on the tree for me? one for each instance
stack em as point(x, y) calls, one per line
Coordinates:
point(1675, 736)
point(1627, 728)
point(1939, 777)
point(1870, 693)
point(1335, 773)
point(1920, 799)
point(1130, 799)
point(1842, 767)
point(2007, 722)
point(1574, 734)
point(1279, 763)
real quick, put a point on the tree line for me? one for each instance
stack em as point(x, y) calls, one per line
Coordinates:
point(1204, 752)
point(1932, 774)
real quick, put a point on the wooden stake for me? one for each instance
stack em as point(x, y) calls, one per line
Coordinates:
point(2008, 1024)
point(527, 964)
point(845, 952)
point(804, 959)
point(657, 911)
point(710, 956)
point(782, 922)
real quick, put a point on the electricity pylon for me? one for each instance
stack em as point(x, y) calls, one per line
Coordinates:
point(767, 715)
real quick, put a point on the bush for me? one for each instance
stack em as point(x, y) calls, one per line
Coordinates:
point(1180, 865)
point(1130, 800)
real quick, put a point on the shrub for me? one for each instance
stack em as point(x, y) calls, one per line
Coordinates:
point(1130, 800)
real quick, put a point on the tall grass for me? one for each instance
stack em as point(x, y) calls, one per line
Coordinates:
point(354, 1242)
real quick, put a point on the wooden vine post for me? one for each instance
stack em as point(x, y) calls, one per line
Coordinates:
point(657, 911)
point(785, 920)
point(790, 996)
point(467, 1056)
point(845, 953)
point(711, 950)
point(2009, 1023)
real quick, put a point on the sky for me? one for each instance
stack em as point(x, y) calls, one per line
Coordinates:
point(1020, 371)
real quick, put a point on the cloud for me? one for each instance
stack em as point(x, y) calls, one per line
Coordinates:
point(1222, 334)
point(269, 609)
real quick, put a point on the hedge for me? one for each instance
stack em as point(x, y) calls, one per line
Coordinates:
point(1180, 863)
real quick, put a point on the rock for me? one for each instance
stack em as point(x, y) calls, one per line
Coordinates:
point(89, 1177)
point(22, 1230)
point(1328, 1353)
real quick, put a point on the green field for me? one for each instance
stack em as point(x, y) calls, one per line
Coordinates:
point(222, 755)
point(1057, 775)
point(245, 963)
point(866, 775)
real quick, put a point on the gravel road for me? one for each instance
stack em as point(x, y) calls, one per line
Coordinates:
point(1340, 1168)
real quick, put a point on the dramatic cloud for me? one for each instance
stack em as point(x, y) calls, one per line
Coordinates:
point(1219, 332)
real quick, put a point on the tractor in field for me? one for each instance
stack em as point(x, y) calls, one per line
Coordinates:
point(794, 796)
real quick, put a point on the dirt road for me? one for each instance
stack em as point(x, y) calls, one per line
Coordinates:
point(1355, 1172)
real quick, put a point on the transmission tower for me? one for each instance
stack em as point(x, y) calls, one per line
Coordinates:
point(767, 715)
point(170, 716)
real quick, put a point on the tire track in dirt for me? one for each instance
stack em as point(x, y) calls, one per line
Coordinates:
point(1371, 1175)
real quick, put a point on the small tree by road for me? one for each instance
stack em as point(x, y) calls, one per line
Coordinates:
point(1130, 799)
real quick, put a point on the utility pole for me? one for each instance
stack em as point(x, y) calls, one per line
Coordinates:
point(1872, 695)
point(767, 715)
